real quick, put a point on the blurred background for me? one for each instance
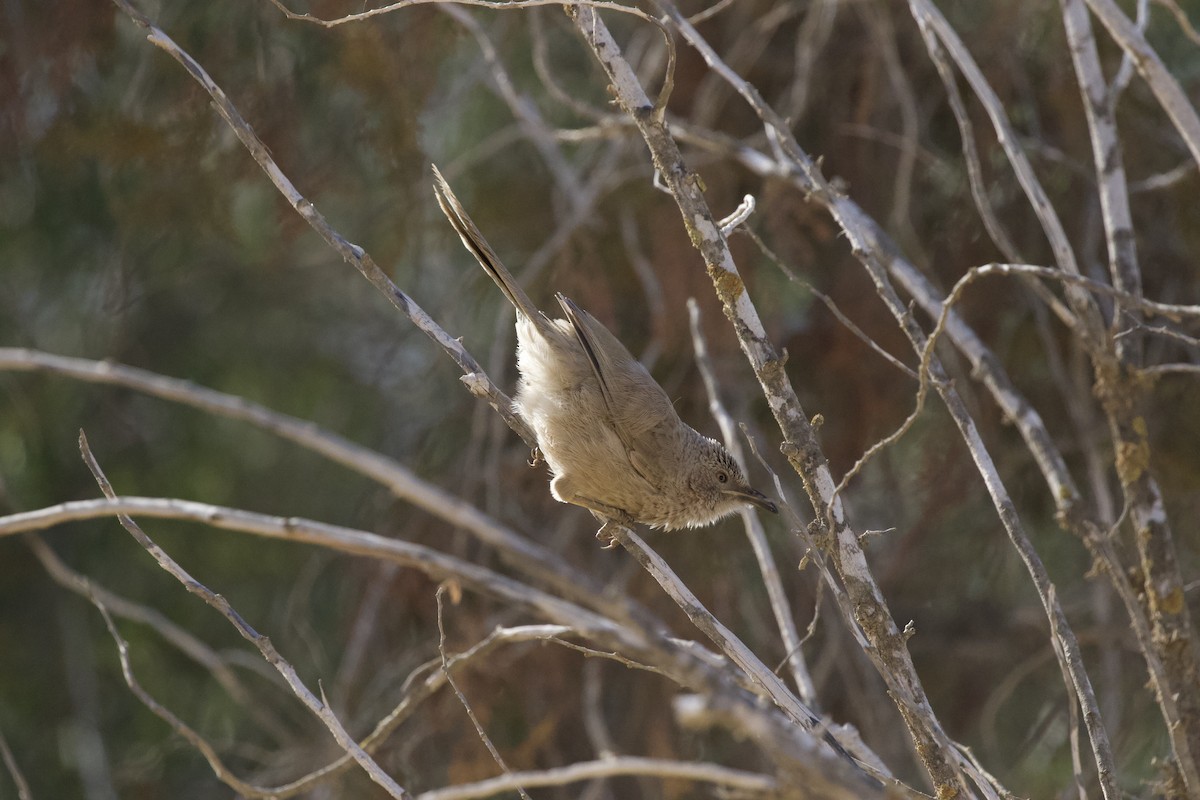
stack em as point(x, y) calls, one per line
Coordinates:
point(135, 227)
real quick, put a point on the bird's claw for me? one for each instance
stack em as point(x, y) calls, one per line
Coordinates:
point(535, 457)
point(605, 536)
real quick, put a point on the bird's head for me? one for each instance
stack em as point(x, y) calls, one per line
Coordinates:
point(718, 485)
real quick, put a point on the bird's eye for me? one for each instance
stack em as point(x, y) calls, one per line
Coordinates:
point(722, 477)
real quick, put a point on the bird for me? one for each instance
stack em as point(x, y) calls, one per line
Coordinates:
point(608, 432)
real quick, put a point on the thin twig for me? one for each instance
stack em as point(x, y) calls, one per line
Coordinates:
point(966, 134)
point(1072, 706)
point(1166, 89)
point(179, 637)
point(264, 645)
point(14, 770)
point(592, 702)
point(423, 683)
point(1181, 18)
point(487, 740)
point(932, 23)
point(1164, 180)
point(769, 684)
point(1168, 310)
point(1168, 369)
point(710, 12)
point(616, 766)
point(502, 5)
point(849, 324)
point(193, 738)
point(524, 110)
point(1120, 81)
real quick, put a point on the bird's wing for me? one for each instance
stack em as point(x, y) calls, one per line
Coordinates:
point(636, 403)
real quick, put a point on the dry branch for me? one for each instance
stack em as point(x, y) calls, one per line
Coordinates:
point(732, 779)
point(317, 706)
point(473, 377)
point(888, 652)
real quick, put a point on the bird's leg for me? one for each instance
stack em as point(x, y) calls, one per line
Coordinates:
point(535, 457)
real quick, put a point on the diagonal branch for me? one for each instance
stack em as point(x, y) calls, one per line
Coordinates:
point(475, 379)
point(10, 762)
point(681, 662)
point(889, 652)
point(320, 709)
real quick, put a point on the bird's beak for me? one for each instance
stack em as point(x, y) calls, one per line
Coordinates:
point(757, 498)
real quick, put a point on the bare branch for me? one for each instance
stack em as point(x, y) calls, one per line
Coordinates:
point(526, 113)
point(473, 375)
point(676, 660)
point(762, 677)
point(483, 737)
point(193, 738)
point(264, 645)
point(418, 689)
point(436, 565)
point(1168, 91)
point(848, 323)
point(1109, 164)
point(14, 771)
point(932, 23)
point(1180, 16)
point(177, 636)
point(732, 779)
point(1120, 81)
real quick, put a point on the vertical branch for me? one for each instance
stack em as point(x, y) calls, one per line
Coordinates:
point(220, 771)
point(764, 681)
point(1066, 645)
point(1122, 390)
point(1099, 108)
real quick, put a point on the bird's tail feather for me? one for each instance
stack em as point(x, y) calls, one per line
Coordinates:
point(473, 239)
